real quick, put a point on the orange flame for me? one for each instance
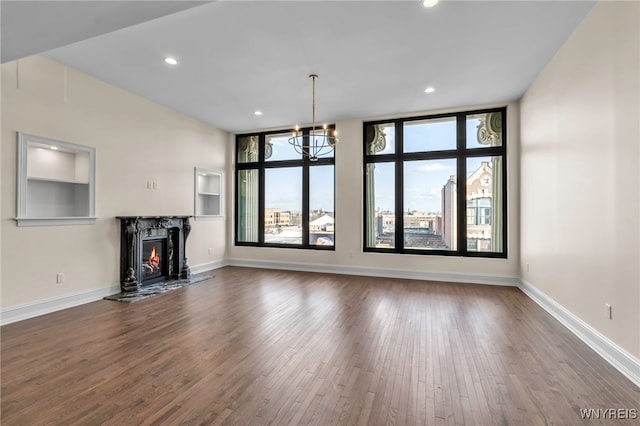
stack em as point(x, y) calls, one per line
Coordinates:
point(154, 259)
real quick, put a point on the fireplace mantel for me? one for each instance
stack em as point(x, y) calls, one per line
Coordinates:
point(135, 229)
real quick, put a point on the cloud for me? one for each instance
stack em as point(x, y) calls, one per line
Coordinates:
point(431, 167)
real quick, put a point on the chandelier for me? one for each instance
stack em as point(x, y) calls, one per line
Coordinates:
point(315, 143)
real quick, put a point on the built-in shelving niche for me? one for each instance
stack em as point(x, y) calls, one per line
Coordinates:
point(56, 182)
point(208, 194)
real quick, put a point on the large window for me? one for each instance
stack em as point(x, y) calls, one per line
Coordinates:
point(436, 184)
point(283, 199)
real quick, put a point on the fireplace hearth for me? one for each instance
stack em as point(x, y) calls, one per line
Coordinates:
point(152, 250)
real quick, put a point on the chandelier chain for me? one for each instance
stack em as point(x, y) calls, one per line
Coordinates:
point(313, 102)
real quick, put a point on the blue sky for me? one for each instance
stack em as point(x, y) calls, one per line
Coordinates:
point(284, 188)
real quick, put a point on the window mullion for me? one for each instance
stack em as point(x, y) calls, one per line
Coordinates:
point(236, 201)
point(305, 200)
point(261, 188)
point(399, 186)
point(461, 201)
point(504, 172)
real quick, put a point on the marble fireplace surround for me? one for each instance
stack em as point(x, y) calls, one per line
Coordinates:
point(136, 229)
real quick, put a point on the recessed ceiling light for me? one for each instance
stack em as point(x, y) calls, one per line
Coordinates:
point(257, 112)
point(429, 90)
point(55, 148)
point(429, 3)
point(171, 61)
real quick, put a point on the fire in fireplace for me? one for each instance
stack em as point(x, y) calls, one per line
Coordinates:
point(154, 260)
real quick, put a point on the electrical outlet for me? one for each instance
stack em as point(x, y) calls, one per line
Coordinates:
point(149, 186)
point(155, 185)
point(608, 311)
point(60, 277)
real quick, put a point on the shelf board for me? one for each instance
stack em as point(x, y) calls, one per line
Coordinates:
point(45, 179)
point(208, 216)
point(43, 221)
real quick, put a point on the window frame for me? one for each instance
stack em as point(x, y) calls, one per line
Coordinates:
point(461, 153)
point(261, 165)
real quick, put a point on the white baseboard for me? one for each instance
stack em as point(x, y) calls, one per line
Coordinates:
point(504, 280)
point(204, 267)
point(620, 359)
point(45, 306)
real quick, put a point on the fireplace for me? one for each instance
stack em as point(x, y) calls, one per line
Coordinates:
point(154, 260)
point(152, 250)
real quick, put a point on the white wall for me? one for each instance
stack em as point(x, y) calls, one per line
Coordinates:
point(348, 256)
point(136, 140)
point(579, 174)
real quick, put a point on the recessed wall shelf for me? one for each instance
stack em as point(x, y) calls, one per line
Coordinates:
point(208, 193)
point(56, 182)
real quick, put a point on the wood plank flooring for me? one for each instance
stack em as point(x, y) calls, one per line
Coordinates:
point(259, 347)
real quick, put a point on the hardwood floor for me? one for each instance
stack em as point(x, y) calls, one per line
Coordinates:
point(256, 346)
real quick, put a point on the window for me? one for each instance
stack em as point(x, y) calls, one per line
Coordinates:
point(436, 184)
point(283, 199)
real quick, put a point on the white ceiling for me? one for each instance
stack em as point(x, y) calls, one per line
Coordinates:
point(30, 27)
point(372, 57)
